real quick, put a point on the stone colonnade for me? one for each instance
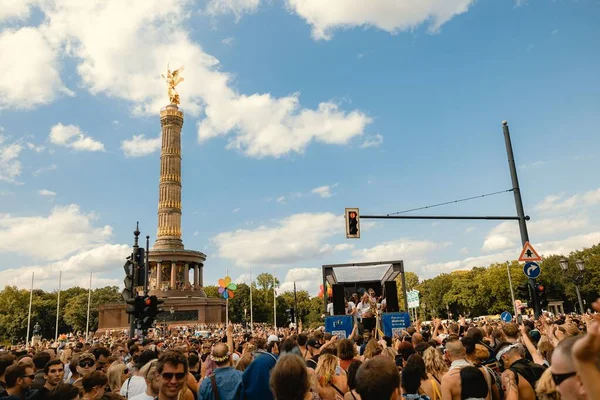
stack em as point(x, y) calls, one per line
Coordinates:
point(175, 276)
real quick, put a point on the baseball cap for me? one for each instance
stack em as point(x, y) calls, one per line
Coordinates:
point(272, 338)
point(312, 342)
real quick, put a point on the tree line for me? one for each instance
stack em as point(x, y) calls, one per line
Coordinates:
point(479, 291)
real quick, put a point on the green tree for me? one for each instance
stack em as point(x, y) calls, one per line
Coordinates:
point(212, 291)
point(76, 310)
point(412, 281)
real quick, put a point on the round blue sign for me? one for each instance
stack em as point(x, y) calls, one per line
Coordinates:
point(506, 316)
point(532, 270)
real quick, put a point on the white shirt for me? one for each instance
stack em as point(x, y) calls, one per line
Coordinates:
point(142, 396)
point(363, 308)
point(351, 306)
point(330, 308)
point(133, 386)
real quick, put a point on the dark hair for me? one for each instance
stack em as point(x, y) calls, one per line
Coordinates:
point(193, 359)
point(145, 357)
point(351, 373)
point(377, 378)
point(476, 334)
point(63, 391)
point(289, 378)
point(51, 363)
point(134, 348)
point(93, 379)
point(6, 360)
point(13, 373)
point(473, 383)
point(261, 344)
point(111, 396)
point(173, 357)
point(469, 344)
point(421, 347)
point(302, 339)
point(101, 351)
point(345, 349)
point(411, 378)
point(288, 346)
point(418, 362)
point(40, 359)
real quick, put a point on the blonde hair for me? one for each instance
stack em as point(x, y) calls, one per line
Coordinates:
point(389, 353)
point(545, 389)
point(115, 375)
point(149, 370)
point(372, 349)
point(434, 362)
point(326, 368)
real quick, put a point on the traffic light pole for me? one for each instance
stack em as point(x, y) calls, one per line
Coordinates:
point(147, 266)
point(520, 211)
point(134, 293)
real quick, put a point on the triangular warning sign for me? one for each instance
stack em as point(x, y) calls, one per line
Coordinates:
point(529, 253)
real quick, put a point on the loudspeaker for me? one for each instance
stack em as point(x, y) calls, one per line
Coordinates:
point(391, 297)
point(339, 306)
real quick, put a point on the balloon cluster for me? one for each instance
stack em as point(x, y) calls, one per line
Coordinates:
point(322, 291)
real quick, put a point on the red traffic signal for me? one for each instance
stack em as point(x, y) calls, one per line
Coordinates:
point(352, 223)
point(147, 301)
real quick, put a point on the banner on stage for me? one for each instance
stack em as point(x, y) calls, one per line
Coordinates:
point(395, 323)
point(339, 325)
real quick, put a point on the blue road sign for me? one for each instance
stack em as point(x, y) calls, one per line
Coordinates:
point(506, 316)
point(532, 270)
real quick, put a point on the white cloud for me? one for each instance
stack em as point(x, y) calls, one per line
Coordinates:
point(295, 238)
point(10, 165)
point(149, 36)
point(38, 171)
point(227, 40)
point(16, 9)
point(236, 210)
point(401, 249)
point(373, 141)
point(469, 229)
point(323, 191)
point(534, 164)
point(264, 126)
point(281, 200)
point(72, 136)
point(464, 250)
point(36, 148)
point(235, 7)
point(65, 231)
point(30, 69)
point(391, 16)
point(521, 3)
point(506, 234)
point(558, 202)
point(308, 279)
point(101, 259)
point(139, 146)
point(46, 193)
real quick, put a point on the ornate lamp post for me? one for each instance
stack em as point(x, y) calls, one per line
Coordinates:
point(580, 264)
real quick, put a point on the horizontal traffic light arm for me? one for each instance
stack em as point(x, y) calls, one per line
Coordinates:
point(486, 218)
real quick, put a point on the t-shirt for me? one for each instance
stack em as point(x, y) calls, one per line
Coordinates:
point(351, 306)
point(362, 308)
point(330, 308)
point(142, 396)
point(133, 386)
point(229, 385)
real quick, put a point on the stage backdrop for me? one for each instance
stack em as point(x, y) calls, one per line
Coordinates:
point(395, 323)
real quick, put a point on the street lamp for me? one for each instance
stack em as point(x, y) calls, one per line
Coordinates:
point(580, 264)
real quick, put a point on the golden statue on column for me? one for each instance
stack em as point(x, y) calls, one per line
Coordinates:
point(173, 79)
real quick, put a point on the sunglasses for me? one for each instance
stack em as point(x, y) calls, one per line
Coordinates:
point(86, 363)
point(560, 378)
point(167, 376)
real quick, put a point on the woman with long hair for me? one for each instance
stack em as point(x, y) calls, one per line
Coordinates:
point(428, 386)
point(289, 379)
point(352, 370)
point(117, 373)
point(332, 382)
point(436, 367)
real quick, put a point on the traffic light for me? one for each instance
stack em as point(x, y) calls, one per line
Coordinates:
point(352, 223)
point(291, 314)
point(540, 291)
point(127, 293)
point(524, 291)
point(136, 307)
point(150, 310)
point(140, 262)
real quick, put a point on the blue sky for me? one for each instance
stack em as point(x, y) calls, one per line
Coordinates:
point(293, 111)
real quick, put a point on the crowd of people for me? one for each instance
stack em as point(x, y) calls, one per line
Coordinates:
point(549, 358)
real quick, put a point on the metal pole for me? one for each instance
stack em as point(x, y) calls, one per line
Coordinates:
point(274, 302)
point(226, 305)
point(404, 291)
point(512, 292)
point(58, 305)
point(134, 291)
point(579, 299)
point(462, 217)
point(29, 316)
point(147, 266)
point(519, 206)
point(251, 309)
point(87, 324)
point(295, 307)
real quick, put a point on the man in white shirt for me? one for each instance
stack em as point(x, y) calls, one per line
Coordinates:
point(330, 308)
point(152, 382)
point(136, 384)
